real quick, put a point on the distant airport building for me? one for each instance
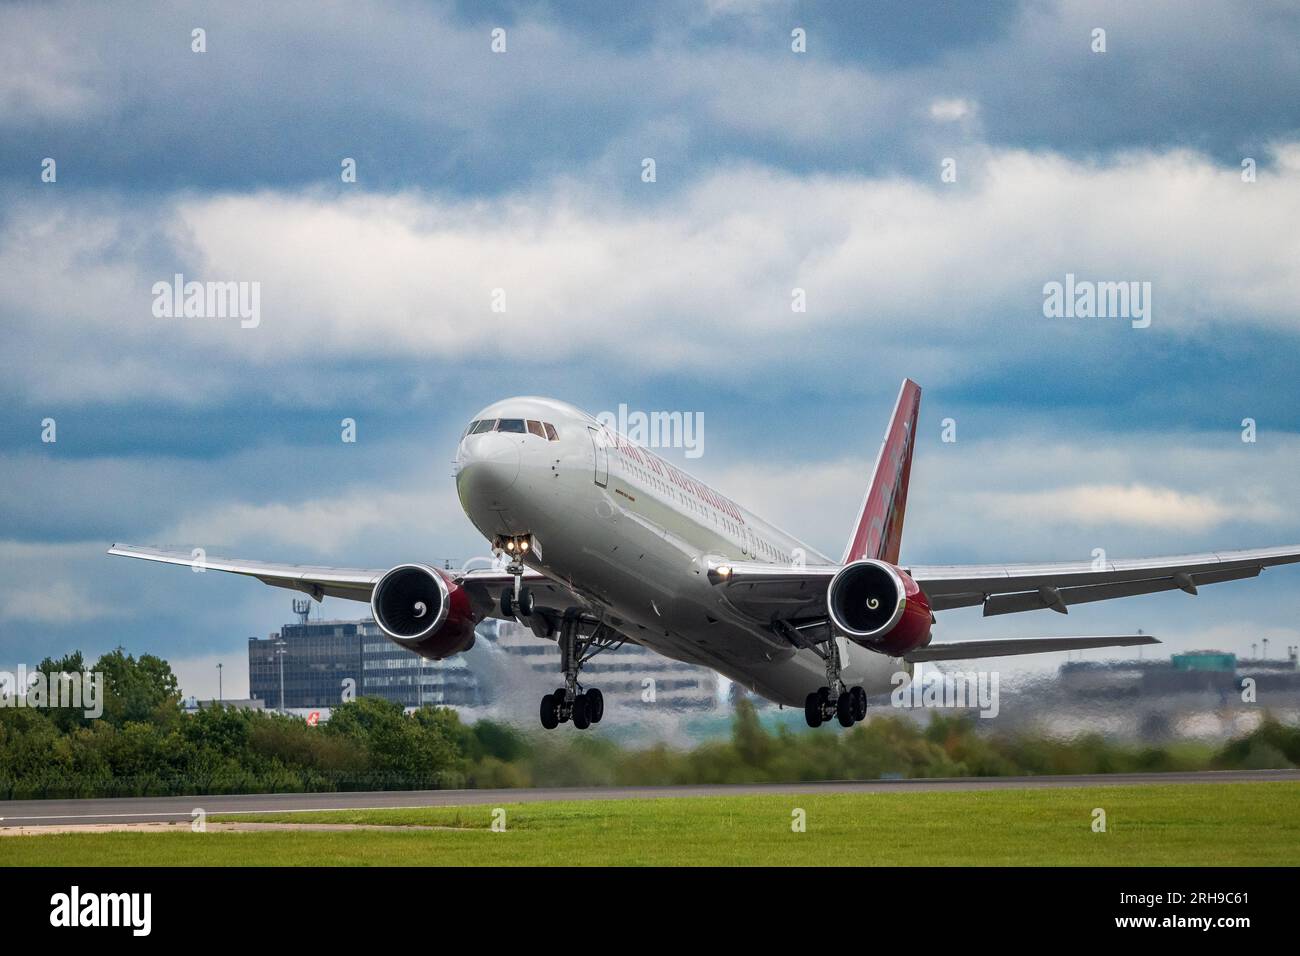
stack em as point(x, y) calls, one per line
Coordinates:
point(193, 705)
point(1207, 695)
point(1219, 672)
point(319, 658)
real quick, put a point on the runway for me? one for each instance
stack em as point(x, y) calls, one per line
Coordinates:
point(37, 813)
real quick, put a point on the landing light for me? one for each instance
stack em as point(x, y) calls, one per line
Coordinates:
point(516, 544)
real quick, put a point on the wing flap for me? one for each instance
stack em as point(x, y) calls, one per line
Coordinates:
point(1010, 647)
point(1033, 600)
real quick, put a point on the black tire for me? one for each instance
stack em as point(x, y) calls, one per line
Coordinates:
point(581, 716)
point(525, 602)
point(859, 703)
point(844, 710)
point(595, 705)
point(558, 697)
point(508, 603)
point(812, 710)
point(550, 712)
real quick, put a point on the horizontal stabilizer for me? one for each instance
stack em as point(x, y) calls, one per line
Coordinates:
point(968, 650)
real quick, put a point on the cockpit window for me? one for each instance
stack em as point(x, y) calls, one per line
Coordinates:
point(550, 431)
point(535, 428)
point(515, 425)
point(484, 425)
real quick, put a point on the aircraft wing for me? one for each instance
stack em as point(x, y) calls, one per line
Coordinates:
point(1004, 589)
point(766, 592)
point(355, 584)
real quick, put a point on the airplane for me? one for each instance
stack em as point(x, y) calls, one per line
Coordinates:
point(600, 541)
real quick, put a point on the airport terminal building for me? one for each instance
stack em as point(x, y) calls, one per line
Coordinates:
point(305, 666)
point(319, 658)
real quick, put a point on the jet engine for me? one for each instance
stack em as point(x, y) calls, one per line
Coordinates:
point(879, 606)
point(423, 610)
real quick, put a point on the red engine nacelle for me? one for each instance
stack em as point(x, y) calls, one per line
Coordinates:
point(879, 606)
point(424, 610)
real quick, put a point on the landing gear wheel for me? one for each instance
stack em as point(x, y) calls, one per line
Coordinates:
point(581, 716)
point(550, 712)
point(859, 698)
point(812, 710)
point(507, 603)
point(595, 705)
point(844, 710)
point(525, 608)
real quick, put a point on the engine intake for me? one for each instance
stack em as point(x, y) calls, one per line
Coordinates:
point(879, 606)
point(424, 611)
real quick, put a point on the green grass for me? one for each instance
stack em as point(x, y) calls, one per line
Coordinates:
point(1214, 824)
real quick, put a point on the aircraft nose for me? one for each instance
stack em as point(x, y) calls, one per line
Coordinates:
point(489, 465)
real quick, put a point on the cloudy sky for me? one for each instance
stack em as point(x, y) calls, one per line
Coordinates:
point(523, 170)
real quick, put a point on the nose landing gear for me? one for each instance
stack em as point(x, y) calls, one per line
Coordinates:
point(518, 601)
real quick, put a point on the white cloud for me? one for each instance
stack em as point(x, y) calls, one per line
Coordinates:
point(197, 675)
point(675, 283)
point(950, 110)
point(1134, 505)
point(51, 602)
point(330, 525)
point(40, 585)
point(47, 72)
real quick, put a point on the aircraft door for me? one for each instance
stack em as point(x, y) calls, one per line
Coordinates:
point(602, 456)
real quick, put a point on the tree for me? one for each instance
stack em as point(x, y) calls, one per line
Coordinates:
point(65, 718)
point(142, 689)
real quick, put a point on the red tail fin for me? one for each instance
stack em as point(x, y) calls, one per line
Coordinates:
point(879, 529)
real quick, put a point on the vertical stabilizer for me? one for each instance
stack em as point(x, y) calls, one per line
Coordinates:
point(878, 531)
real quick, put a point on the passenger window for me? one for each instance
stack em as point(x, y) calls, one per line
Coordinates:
point(535, 428)
point(513, 425)
point(485, 425)
point(550, 431)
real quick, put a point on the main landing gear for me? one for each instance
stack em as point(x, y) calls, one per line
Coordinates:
point(572, 702)
point(846, 704)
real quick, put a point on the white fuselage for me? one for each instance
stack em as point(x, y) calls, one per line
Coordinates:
point(631, 534)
